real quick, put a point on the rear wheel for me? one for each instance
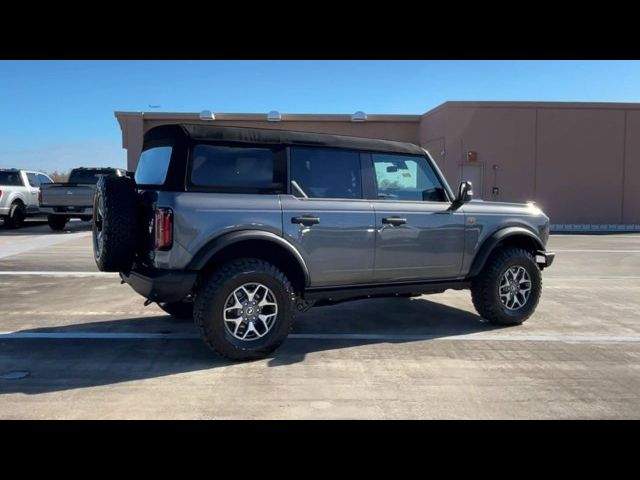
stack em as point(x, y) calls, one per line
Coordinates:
point(181, 310)
point(115, 224)
point(17, 214)
point(56, 222)
point(244, 310)
point(508, 289)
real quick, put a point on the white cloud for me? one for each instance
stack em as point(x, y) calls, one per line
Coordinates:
point(63, 157)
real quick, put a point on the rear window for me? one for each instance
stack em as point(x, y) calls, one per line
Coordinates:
point(218, 166)
point(153, 166)
point(89, 176)
point(10, 179)
point(43, 179)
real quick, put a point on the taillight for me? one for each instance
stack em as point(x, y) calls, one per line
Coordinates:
point(0, 193)
point(163, 228)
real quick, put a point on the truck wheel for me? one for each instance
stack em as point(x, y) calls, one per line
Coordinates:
point(115, 224)
point(17, 214)
point(244, 310)
point(56, 222)
point(181, 310)
point(508, 289)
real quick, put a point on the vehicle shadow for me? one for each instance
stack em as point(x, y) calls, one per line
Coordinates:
point(63, 364)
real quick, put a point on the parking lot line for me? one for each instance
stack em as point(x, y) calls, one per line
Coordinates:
point(17, 335)
point(59, 273)
point(42, 241)
point(595, 251)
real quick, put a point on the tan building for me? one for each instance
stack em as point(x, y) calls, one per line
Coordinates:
point(579, 161)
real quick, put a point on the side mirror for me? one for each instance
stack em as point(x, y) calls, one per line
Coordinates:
point(465, 194)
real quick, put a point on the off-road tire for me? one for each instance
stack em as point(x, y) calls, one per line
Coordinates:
point(17, 214)
point(118, 224)
point(484, 289)
point(56, 222)
point(181, 310)
point(210, 301)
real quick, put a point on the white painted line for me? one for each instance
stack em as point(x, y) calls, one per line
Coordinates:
point(482, 337)
point(55, 273)
point(39, 242)
point(596, 251)
point(59, 273)
point(608, 236)
point(590, 277)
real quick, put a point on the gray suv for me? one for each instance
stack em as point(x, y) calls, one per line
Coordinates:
point(240, 228)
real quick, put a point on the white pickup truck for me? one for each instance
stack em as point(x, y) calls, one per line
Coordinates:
point(74, 199)
point(19, 190)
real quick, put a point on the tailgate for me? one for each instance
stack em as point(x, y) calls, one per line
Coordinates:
point(67, 195)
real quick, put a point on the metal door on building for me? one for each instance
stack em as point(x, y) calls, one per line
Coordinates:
point(473, 173)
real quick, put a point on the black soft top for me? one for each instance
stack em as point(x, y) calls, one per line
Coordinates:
point(217, 133)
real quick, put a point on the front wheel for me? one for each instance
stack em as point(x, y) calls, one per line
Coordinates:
point(244, 310)
point(508, 289)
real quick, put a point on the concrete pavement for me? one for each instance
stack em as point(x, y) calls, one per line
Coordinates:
point(88, 348)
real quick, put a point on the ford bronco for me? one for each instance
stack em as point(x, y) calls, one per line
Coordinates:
point(240, 228)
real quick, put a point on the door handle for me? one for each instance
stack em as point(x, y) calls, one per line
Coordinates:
point(306, 220)
point(395, 221)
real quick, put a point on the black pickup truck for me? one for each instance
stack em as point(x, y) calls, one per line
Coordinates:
point(74, 199)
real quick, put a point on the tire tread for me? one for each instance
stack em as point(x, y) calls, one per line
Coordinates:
point(207, 294)
point(482, 289)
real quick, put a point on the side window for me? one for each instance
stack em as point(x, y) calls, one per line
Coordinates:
point(153, 166)
point(326, 173)
point(404, 177)
point(232, 168)
point(33, 179)
point(43, 179)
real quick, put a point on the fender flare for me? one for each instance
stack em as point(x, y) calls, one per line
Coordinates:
point(493, 240)
point(216, 244)
point(13, 197)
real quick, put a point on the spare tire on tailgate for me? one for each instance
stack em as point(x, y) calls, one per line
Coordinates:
point(115, 223)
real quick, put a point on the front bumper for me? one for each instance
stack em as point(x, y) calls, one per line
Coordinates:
point(545, 258)
point(161, 285)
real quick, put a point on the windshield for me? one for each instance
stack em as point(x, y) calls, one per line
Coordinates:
point(10, 179)
point(88, 176)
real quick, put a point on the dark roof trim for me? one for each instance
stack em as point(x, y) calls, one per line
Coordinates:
point(266, 136)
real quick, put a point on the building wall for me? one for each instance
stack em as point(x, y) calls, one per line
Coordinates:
point(579, 162)
point(579, 165)
point(631, 197)
point(134, 127)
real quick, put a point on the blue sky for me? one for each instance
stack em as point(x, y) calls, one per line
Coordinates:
point(59, 114)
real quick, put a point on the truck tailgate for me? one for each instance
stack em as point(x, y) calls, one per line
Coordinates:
point(67, 195)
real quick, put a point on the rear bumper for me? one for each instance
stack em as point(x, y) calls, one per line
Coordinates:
point(161, 285)
point(545, 258)
point(68, 211)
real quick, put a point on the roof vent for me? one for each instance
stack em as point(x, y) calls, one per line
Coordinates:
point(359, 116)
point(274, 116)
point(207, 115)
